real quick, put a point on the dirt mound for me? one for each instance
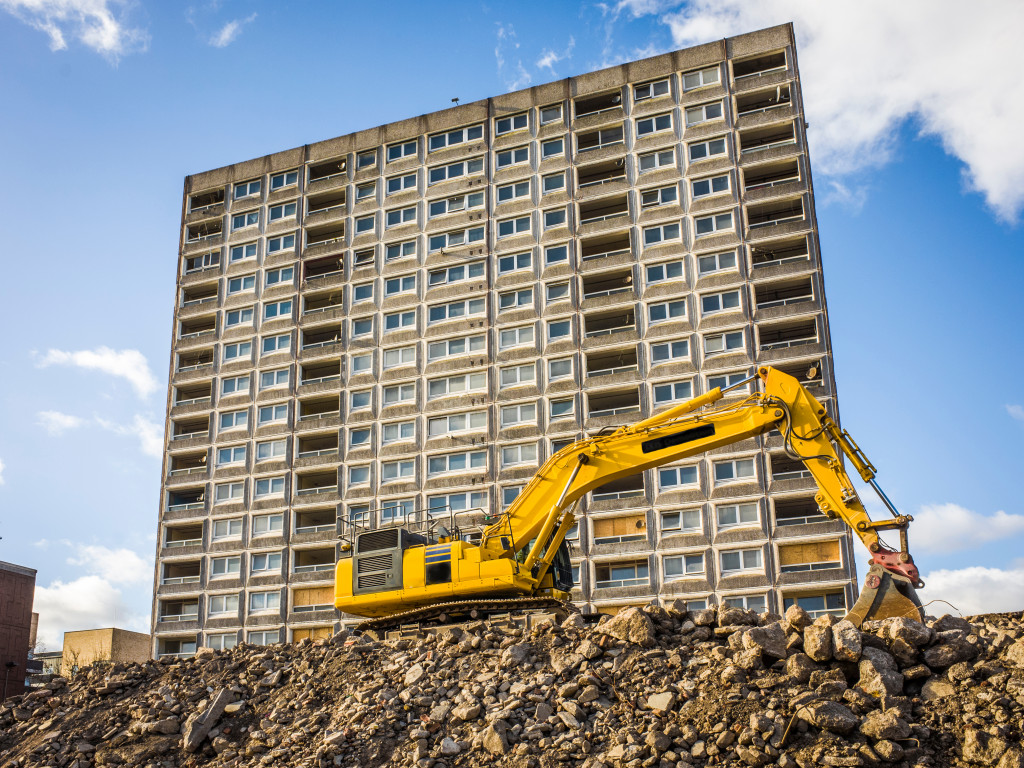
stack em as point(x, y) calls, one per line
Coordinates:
point(649, 687)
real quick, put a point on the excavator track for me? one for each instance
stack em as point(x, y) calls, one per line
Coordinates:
point(463, 610)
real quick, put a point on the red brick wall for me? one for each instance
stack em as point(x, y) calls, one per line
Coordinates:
point(16, 590)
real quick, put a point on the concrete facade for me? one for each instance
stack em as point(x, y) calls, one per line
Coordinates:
point(410, 318)
point(17, 590)
point(87, 646)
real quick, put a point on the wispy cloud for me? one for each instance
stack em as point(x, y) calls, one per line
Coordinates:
point(1016, 412)
point(230, 32)
point(510, 65)
point(851, 197)
point(149, 434)
point(128, 364)
point(98, 24)
point(56, 423)
point(549, 57)
point(2, 468)
point(117, 566)
point(951, 528)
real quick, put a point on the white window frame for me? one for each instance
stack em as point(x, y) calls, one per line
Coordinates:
point(401, 216)
point(518, 414)
point(282, 211)
point(701, 111)
point(397, 321)
point(228, 571)
point(276, 381)
point(679, 391)
point(474, 461)
point(506, 158)
point(264, 525)
point(404, 149)
point(228, 492)
point(666, 268)
point(463, 383)
point(722, 299)
point(403, 469)
point(288, 179)
point(747, 515)
point(469, 271)
point(685, 561)
point(750, 559)
point(716, 147)
point(662, 158)
point(683, 525)
point(517, 455)
point(517, 376)
point(511, 123)
point(399, 356)
point(472, 421)
point(274, 453)
point(394, 394)
point(273, 486)
point(242, 252)
point(455, 238)
point(647, 126)
point(450, 171)
point(665, 473)
point(735, 466)
point(668, 232)
point(280, 276)
point(674, 311)
point(516, 189)
point(401, 183)
point(470, 308)
point(510, 338)
point(280, 243)
point(718, 224)
point(728, 342)
point(704, 76)
point(272, 417)
point(401, 427)
point(718, 267)
point(552, 148)
point(454, 138)
point(671, 351)
point(455, 204)
point(517, 225)
point(655, 90)
point(547, 188)
point(241, 284)
point(463, 345)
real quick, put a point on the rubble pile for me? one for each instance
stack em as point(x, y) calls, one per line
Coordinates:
point(648, 687)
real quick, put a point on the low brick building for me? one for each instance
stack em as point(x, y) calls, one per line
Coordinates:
point(17, 587)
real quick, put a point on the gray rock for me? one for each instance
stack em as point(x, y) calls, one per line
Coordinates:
point(952, 648)
point(543, 711)
point(449, 747)
point(846, 644)
point(728, 616)
point(199, 726)
point(632, 626)
point(469, 711)
point(818, 642)
point(889, 751)
point(414, 674)
point(515, 655)
point(167, 726)
point(911, 632)
point(493, 738)
point(980, 747)
point(590, 650)
point(769, 640)
point(1012, 758)
point(661, 702)
point(948, 622)
point(1015, 654)
point(800, 666)
point(830, 716)
point(569, 719)
point(879, 674)
point(936, 689)
point(884, 725)
point(797, 617)
point(588, 694)
point(704, 617)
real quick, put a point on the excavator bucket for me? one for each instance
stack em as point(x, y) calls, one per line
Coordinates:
point(885, 595)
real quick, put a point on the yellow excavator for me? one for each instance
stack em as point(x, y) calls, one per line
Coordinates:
point(400, 575)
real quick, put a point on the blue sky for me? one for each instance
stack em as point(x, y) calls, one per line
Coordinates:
point(108, 105)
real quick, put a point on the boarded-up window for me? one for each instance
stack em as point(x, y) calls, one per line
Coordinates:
point(313, 633)
point(312, 599)
point(616, 529)
point(810, 556)
point(612, 610)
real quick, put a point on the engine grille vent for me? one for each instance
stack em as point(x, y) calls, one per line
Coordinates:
point(386, 538)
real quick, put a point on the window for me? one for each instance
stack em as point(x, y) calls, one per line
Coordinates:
point(719, 302)
point(684, 520)
point(282, 211)
point(550, 114)
point(720, 222)
point(621, 574)
point(681, 566)
point(231, 455)
point(456, 502)
point(358, 475)
point(281, 180)
point(276, 276)
point(559, 329)
point(736, 514)
point(272, 344)
point(517, 375)
point(400, 356)
point(397, 509)
point(509, 227)
point(512, 455)
point(399, 430)
point(366, 159)
point(360, 400)
point(365, 224)
point(723, 342)
point(514, 191)
point(235, 351)
point(559, 369)
point(554, 218)
point(451, 138)
point(734, 470)
point(270, 561)
point(556, 292)
point(703, 113)
point(456, 462)
point(674, 392)
point(455, 310)
point(239, 252)
point(818, 605)
point(400, 250)
point(363, 258)
point(741, 560)
point(551, 148)
point(653, 124)
point(358, 437)
point(452, 239)
point(270, 414)
point(359, 515)
point(556, 254)
point(263, 525)
point(699, 78)
point(455, 274)
point(271, 449)
point(515, 337)
point(234, 386)
point(455, 170)
point(519, 414)
point(650, 90)
point(754, 603)
point(668, 310)
point(514, 263)
point(512, 299)
point(401, 216)
point(242, 220)
point(239, 284)
point(228, 492)
point(362, 327)
point(562, 409)
point(461, 422)
point(204, 261)
point(660, 234)
point(281, 243)
point(270, 379)
point(670, 270)
point(403, 149)
point(366, 191)
point(238, 317)
point(361, 363)
point(656, 197)
point(264, 601)
point(223, 642)
point(726, 380)
point(394, 321)
point(666, 158)
point(277, 309)
point(513, 156)
point(716, 262)
point(391, 471)
point(674, 477)
point(706, 149)
point(269, 486)
point(452, 385)
point(438, 350)
point(455, 204)
point(234, 420)
point(675, 350)
point(509, 124)
point(399, 393)
point(246, 189)
point(553, 182)
point(225, 567)
point(398, 184)
point(509, 494)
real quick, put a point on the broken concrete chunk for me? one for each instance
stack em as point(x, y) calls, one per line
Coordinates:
point(818, 642)
point(879, 674)
point(830, 716)
point(846, 644)
point(632, 626)
point(884, 725)
point(769, 640)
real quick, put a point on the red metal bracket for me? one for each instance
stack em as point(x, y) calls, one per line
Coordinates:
point(900, 563)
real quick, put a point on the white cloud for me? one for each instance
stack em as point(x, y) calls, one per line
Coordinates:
point(115, 566)
point(128, 364)
point(549, 58)
point(87, 602)
point(1016, 411)
point(99, 24)
point(974, 590)
point(870, 66)
point(55, 422)
point(230, 32)
point(952, 528)
point(514, 75)
point(2, 467)
point(149, 434)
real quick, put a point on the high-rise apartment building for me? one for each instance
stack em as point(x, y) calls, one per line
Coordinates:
point(408, 319)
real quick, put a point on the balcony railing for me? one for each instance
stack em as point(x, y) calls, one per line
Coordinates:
point(614, 411)
point(189, 505)
point(197, 302)
point(187, 471)
point(645, 581)
point(606, 331)
point(611, 371)
point(320, 452)
point(773, 182)
point(321, 415)
point(188, 435)
point(604, 254)
point(609, 292)
point(598, 182)
point(318, 344)
point(317, 310)
point(812, 518)
point(197, 334)
point(315, 528)
point(196, 367)
point(180, 580)
point(604, 217)
point(785, 302)
point(756, 110)
point(790, 343)
point(325, 275)
point(767, 145)
point(314, 491)
point(181, 616)
point(194, 400)
point(182, 543)
point(313, 568)
point(200, 238)
point(613, 495)
point(322, 379)
point(775, 222)
point(796, 474)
